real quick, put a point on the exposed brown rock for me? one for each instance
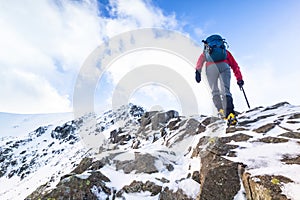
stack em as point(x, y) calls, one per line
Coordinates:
point(196, 176)
point(276, 106)
point(84, 164)
point(234, 129)
point(272, 140)
point(168, 194)
point(287, 159)
point(202, 141)
point(295, 116)
point(240, 137)
point(219, 178)
point(139, 186)
point(162, 118)
point(264, 187)
point(74, 187)
point(265, 128)
point(143, 163)
point(209, 120)
point(293, 122)
point(173, 125)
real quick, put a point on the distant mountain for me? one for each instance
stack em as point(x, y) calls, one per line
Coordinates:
point(155, 155)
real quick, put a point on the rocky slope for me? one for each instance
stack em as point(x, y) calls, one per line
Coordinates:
point(158, 155)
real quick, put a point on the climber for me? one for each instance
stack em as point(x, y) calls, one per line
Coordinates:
point(218, 61)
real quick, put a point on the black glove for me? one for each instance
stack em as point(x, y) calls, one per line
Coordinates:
point(198, 76)
point(240, 83)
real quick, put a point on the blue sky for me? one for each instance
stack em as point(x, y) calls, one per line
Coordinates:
point(44, 46)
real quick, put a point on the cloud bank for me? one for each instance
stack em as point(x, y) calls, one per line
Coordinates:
point(44, 44)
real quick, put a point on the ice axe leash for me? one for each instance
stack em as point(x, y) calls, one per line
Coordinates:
point(245, 96)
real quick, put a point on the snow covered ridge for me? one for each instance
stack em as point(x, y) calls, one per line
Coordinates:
point(157, 155)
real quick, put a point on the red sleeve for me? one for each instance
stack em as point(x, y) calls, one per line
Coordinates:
point(200, 62)
point(234, 66)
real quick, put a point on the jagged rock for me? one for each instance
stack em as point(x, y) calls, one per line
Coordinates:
point(239, 137)
point(143, 163)
point(173, 124)
point(201, 128)
point(146, 118)
point(168, 194)
point(264, 187)
point(254, 109)
point(191, 128)
point(135, 186)
point(167, 129)
point(276, 106)
point(295, 116)
point(160, 119)
point(209, 120)
point(295, 135)
point(40, 131)
point(135, 144)
point(196, 176)
point(234, 129)
point(219, 147)
point(38, 192)
point(272, 140)
point(287, 159)
point(156, 119)
point(98, 164)
point(246, 123)
point(117, 137)
point(65, 132)
point(265, 128)
point(293, 122)
point(139, 186)
point(219, 178)
point(169, 167)
point(163, 180)
point(74, 187)
point(136, 111)
point(202, 141)
point(84, 164)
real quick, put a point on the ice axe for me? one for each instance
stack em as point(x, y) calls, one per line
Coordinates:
point(245, 96)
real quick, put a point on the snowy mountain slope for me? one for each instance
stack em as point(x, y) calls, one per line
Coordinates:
point(39, 157)
point(274, 149)
point(30, 157)
point(16, 125)
point(156, 155)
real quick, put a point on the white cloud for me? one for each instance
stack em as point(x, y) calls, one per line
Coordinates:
point(44, 44)
point(42, 47)
point(154, 95)
point(143, 13)
point(174, 88)
point(35, 94)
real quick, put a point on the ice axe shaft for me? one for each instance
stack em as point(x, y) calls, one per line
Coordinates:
point(245, 97)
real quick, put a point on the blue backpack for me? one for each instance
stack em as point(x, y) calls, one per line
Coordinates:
point(215, 48)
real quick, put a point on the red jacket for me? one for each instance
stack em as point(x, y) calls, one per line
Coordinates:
point(229, 60)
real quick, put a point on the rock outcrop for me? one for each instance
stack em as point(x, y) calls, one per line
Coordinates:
point(161, 155)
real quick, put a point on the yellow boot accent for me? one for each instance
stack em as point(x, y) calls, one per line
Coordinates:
point(231, 119)
point(221, 114)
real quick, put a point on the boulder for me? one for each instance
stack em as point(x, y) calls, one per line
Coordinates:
point(160, 119)
point(168, 194)
point(219, 178)
point(139, 186)
point(265, 128)
point(264, 187)
point(143, 163)
point(74, 187)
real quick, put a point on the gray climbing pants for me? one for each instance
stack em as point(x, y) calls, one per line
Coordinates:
point(218, 76)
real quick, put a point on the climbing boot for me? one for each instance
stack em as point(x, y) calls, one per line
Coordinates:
point(231, 120)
